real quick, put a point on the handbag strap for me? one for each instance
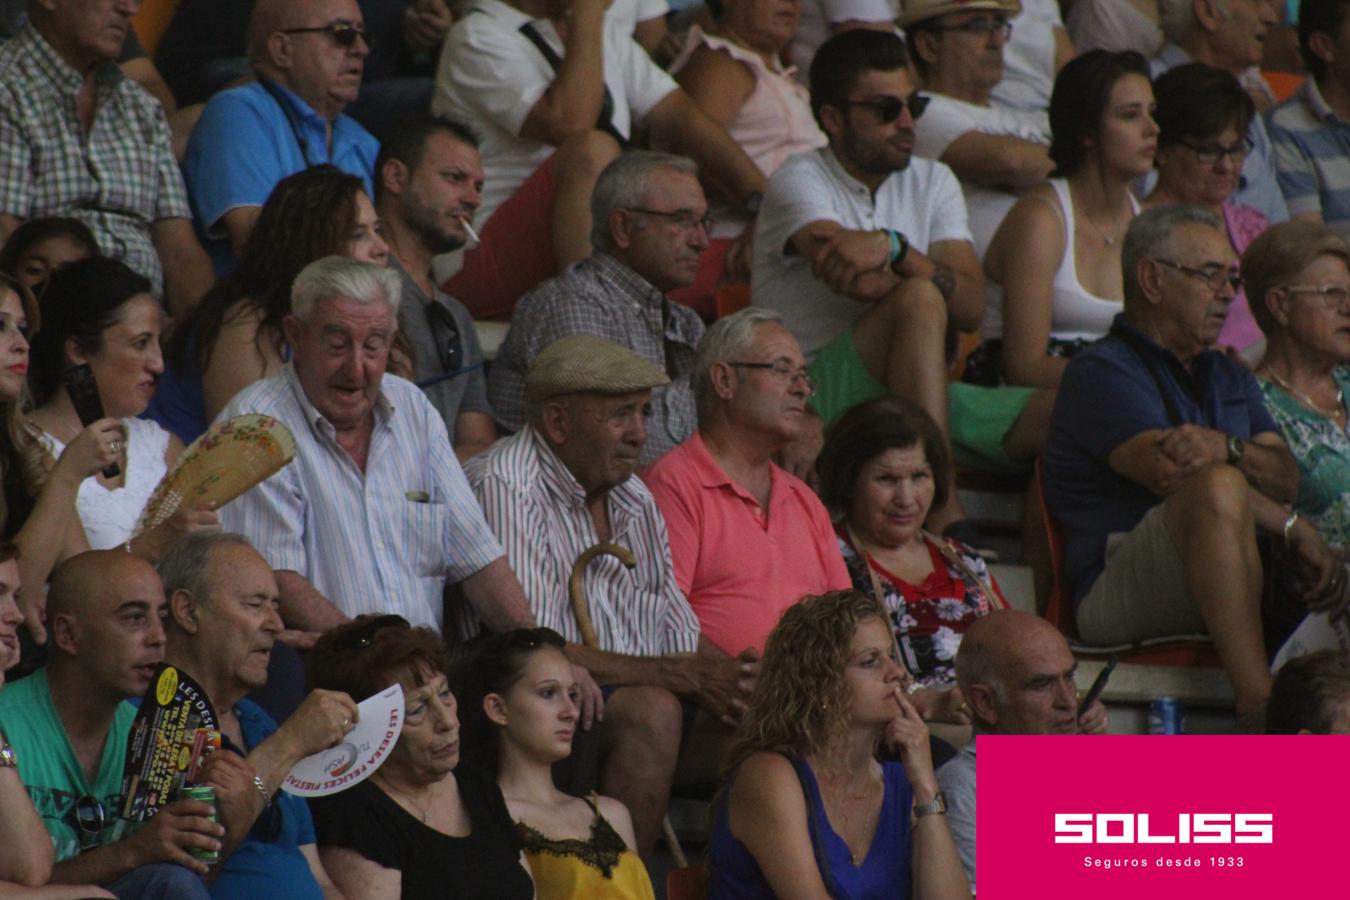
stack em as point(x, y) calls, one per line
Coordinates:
point(605, 121)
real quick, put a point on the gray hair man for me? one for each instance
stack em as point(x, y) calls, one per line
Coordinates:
point(1163, 462)
point(1017, 674)
point(309, 57)
point(222, 627)
point(374, 514)
point(565, 484)
point(649, 228)
point(747, 538)
point(1230, 35)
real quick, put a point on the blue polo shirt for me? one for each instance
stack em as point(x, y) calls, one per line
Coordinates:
point(248, 139)
point(1117, 388)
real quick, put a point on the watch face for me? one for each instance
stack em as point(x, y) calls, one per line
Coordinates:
point(7, 757)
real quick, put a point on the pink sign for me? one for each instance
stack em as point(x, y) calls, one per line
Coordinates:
point(1160, 817)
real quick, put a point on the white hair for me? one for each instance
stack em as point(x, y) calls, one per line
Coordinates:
point(339, 276)
point(727, 338)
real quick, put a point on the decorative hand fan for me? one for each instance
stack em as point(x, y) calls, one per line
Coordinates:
point(230, 458)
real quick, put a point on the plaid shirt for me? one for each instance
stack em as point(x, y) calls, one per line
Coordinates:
point(119, 179)
point(603, 297)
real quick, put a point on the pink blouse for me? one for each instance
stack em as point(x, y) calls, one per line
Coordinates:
point(1243, 223)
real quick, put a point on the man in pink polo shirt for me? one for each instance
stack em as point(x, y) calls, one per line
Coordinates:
point(748, 539)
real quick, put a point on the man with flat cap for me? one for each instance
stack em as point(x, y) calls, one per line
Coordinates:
point(563, 484)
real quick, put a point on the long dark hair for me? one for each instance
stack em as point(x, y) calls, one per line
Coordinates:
point(308, 216)
point(1079, 102)
point(81, 301)
point(495, 662)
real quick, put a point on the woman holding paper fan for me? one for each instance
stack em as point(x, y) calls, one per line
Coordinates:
point(99, 313)
point(423, 826)
point(520, 712)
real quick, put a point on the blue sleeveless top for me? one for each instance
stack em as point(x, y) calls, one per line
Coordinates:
point(883, 875)
point(179, 405)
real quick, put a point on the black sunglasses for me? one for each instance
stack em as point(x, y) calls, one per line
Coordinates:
point(90, 817)
point(343, 34)
point(888, 109)
point(364, 636)
point(445, 335)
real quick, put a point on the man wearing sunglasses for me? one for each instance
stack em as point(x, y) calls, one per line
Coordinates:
point(222, 626)
point(863, 250)
point(1229, 35)
point(1311, 130)
point(429, 176)
point(1163, 463)
point(82, 140)
point(69, 724)
point(309, 58)
point(958, 50)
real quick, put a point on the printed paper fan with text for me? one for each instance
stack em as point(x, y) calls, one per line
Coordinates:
point(230, 458)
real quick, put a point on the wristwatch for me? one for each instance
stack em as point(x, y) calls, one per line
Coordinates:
point(933, 807)
point(1236, 447)
point(8, 759)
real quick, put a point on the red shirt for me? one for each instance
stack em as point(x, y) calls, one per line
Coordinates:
point(739, 567)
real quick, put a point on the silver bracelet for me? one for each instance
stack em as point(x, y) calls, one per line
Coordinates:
point(1289, 525)
point(262, 789)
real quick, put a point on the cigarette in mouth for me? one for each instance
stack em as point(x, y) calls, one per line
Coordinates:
point(469, 228)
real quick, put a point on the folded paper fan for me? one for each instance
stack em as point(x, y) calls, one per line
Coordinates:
point(230, 458)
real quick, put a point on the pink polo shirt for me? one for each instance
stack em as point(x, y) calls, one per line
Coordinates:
point(740, 568)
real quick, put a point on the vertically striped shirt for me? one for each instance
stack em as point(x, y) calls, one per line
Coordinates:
point(538, 510)
point(120, 179)
point(385, 540)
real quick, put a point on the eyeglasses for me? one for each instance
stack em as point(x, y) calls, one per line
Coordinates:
point(90, 817)
point(981, 26)
point(888, 109)
point(683, 218)
point(343, 34)
point(1215, 279)
point(445, 335)
point(780, 369)
point(1333, 296)
point(1210, 154)
point(364, 636)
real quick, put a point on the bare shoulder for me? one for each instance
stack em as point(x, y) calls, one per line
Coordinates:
point(765, 778)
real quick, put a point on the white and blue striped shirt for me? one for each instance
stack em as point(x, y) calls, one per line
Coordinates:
point(383, 541)
point(538, 509)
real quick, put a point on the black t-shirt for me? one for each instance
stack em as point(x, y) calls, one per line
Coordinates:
point(484, 863)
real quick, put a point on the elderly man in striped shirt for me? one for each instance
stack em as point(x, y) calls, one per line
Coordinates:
point(564, 484)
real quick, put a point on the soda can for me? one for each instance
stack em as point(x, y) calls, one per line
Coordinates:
point(206, 794)
point(1164, 716)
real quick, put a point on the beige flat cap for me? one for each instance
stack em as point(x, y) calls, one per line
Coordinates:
point(582, 363)
point(912, 11)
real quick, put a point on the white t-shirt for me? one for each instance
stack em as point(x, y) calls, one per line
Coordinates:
point(813, 25)
point(945, 120)
point(1029, 57)
point(923, 201)
point(490, 76)
point(626, 14)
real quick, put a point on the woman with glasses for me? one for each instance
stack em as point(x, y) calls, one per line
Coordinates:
point(423, 826)
point(520, 714)
point(806, 808)
point(99, 315)
point(233, 336)
point(1202, 116)
point(883, 468)
point(1056, 256)
point(1298, 280)
point(734, 73)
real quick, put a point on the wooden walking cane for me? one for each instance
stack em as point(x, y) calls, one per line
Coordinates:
point(581, 608)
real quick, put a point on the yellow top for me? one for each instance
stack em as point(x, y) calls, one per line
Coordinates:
point(602, 868)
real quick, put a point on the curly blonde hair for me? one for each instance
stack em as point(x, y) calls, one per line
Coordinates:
point(801, 704)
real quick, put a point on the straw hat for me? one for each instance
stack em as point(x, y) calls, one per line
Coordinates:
point(918, 10)
point(582, 363)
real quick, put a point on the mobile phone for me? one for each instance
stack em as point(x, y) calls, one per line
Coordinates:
point(1098, 684)
point(83, 390)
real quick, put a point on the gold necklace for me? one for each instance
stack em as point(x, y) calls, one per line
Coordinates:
point(1305, 399)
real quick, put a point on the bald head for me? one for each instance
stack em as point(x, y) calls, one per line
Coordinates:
point(84, 582)
point(1016, 671)
point(313, 48)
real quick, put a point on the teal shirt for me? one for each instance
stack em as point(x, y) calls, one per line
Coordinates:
point(50, 769)
point(1323, 453)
